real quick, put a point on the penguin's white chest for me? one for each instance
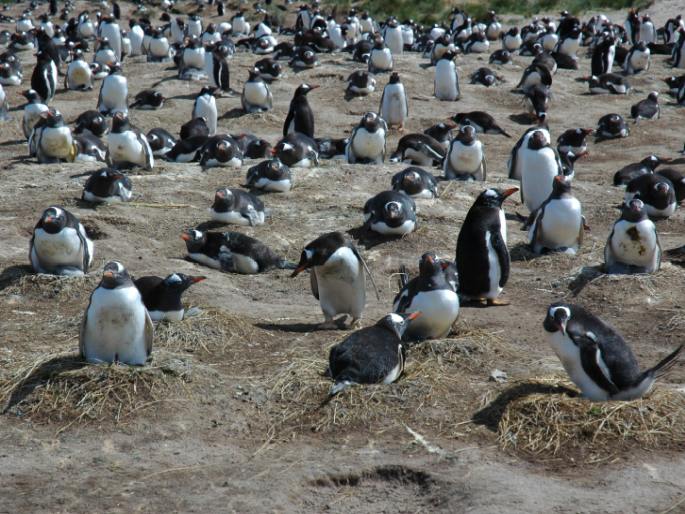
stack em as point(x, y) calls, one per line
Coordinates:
point(538, 169)
point(256, 93)
point(368, 145)
point(115, 326)
point(341, 284)
point(394, 107)
point(466, 158)
point(115, 92)
point(32, 114)
point(494, 270)
point(194, 58)
point(206, 106)
point(570, 46)
point(159, 47)
point(125, 146)
point(393, 38)
point(79, 74)
point(634, 243)
point(60, 249)
point(381, 59)
point(56, 142)
point(236, 218)
point(446, 85)
point(439, 310)
point(560, 225)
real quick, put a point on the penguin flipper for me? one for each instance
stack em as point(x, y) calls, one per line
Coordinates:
point(366, 268)
point(593, 363)
point(314, 284)
point(269, 99)
point(484, 168)
point(149, 157)
point(149, 333)
point(288, 120)
point(502, 252)
point(609, 259)
point(85, 263)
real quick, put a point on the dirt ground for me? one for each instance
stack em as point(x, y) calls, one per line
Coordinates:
point(232, 444)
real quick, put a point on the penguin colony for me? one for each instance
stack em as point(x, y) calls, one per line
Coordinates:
point(90, 50)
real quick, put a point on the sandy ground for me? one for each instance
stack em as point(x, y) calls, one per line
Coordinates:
point(214, 453)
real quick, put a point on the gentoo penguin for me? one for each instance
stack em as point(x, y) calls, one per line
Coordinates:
point(108, 29)
point(332, 148)
point(336, 276)
point(192, 60)
point(514, 162)
point(573, 140)
point(441, 132)
point(237, 207)
point(380, 58)
point(148, 99)
point(79, 75)
point(194, 128)
point(638, 59)
point(446, 83)
point(677, 178)
point(647, 109)
point(656, 192)
point(194, 26)
point(647, 165)
point(534, 75)
point(240, 24)
point(44, 77)
point(256, 95)
point(611, 126)
point(162, 296)
point(135, 36)
point(270, 175)
point(127, 145)
point(390, 213)
point(433, 296)
point(485, 77)
point(647, 32)
point(394, 106)
point(187, 149)
point(91, 122)
point(476, 43)
point(252, 146)
point(221, 150)
point(105, 54)
point(603, 56)
point(360, 83)
point(367, 142)
point(113, 92)
point(558, 224)
point(205, 107)
point(511, 40)
point(481, 121)
point(51, 140)
point(392, 36)
point(33, 110)
point(116, 326)
point(501, 56)
point(609, 83)
point(441, 45)
point(99, 71)
point(361, 51)
point(60, 245)
point(232, 252)
point(465, 159)
point(539, 164)
point(300, 116)
point(596, 357)
point(569, 44)
point(633, 245)
point(371, 355)
point(219, 73)
point(419, 149)
point(537, 100)
point(415, 182)
point(4, 105)
point(305, 58)
point(107, 186)
point(90, 148)
point(9, 76)
point(158, 49)
point(297, 151)
point(482, 255)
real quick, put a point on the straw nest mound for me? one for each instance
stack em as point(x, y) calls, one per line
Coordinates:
point(434, 392)
point(62, 389)
point(555, 424)
point(24, 283)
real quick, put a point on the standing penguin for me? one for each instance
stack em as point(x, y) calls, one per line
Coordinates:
point(127, 145)
point(367, 144)
point(44, 77)
point(59, 245)
point(392, 35)
point(371, 355)
point(300, 115)
point(603, 56)
point(638, 59)
point(394, 108)
point(558, 224)
point(380, 58)
point(596, 357)
point(336, 275)
point(633, 245)
point(162, 296)
point(108, 28)
point(446, 84)
point(113, 93)
point(205, 107)
point(79, 75)
point(482, 255)
point(256, 95)
point(433, 296)
point(220, 74)
point(33, 110)
point(465, 159)
point(116, 326)
point(539, 164)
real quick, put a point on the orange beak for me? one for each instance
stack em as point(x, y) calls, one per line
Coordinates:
point(195, 280)
point(298, 270)
point(509, 192)
point(185, 236)
point(108, 274)
point(413, 315)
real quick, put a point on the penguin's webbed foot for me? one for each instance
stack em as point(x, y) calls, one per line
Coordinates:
point(329, 324)
point(496, 302)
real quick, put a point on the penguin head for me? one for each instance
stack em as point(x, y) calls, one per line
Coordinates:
point(195, 239)
point(394, 78)
point(489, 79)
point(371, 122)
point(31, 95)
point(53, 219)
point(120, 123)
point(114, 275)
point(393, 211)
point(429, 264)
point(494, 197)
point(206, 91)
point(317, 252)
point(467, 134)
point(53, 118)
point(653, 96)
point(662, 189)
point(179, 282)
point(378, 43)
point(276, 166)
point(224, 150)
point(561, 185)
point(303, 89)
point(398, 323)
point(254, 75)
point(634, 210)
point(652, 161)
point(224, 198)
point(411, 180)
point(558, 316)
point(537, 140)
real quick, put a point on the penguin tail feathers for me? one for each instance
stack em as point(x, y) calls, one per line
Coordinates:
point(403, 277)
point(666, 364)
point(285, 264)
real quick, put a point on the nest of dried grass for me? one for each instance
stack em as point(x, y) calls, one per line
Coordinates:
point(210, 331)
point(433, 391)
point(62, 389)
point(559, 425)
point(51, 286)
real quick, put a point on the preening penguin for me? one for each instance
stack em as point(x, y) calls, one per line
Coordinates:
point(394, 107)
point(390, 213)
point(162, 296)
point(465, 159)
point(596, 357)
point(633, 245)
point(367, 142)
point(116, 326)
point(432, 294)
point(300, 116)
point(482, 255)
point(237, 207)
point(336, 276)
point(59, 245)
point(371, 355)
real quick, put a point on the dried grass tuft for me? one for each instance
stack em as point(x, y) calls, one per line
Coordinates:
point(558, 425)
point(51, 286)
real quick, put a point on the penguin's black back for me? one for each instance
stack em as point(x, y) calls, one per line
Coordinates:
point(365, 357)
point(157, 296)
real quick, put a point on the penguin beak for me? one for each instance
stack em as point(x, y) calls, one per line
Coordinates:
point(298, 270)
point(195, 280)
point(413, 316)
point(185, 236)
point(315, 86)
point(508, 192)
point(108, 274)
